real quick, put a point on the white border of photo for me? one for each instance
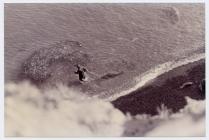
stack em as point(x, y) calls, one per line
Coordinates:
point(96, 1)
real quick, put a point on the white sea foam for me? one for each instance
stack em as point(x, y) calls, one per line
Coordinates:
point(30, 111)
point(190, 121)
point(33, 112)
point(64, 111)
point(155, 72)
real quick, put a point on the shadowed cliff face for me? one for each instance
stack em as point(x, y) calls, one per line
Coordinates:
point(128, 38)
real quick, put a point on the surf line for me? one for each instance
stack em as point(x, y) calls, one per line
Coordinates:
point(154, 72)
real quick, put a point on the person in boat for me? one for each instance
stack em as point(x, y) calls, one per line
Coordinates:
point(81, 73)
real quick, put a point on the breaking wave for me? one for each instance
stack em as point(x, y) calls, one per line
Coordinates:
point(30, 111)
point(191, 117)
point(63, 111)
point(153, 73)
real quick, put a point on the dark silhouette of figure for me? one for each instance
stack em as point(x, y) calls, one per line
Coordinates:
point(81, 72)
point(202, 87)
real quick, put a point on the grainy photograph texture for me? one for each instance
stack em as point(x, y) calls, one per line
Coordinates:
point(125, 70)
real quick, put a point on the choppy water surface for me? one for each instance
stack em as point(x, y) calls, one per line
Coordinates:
point(123, 46)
